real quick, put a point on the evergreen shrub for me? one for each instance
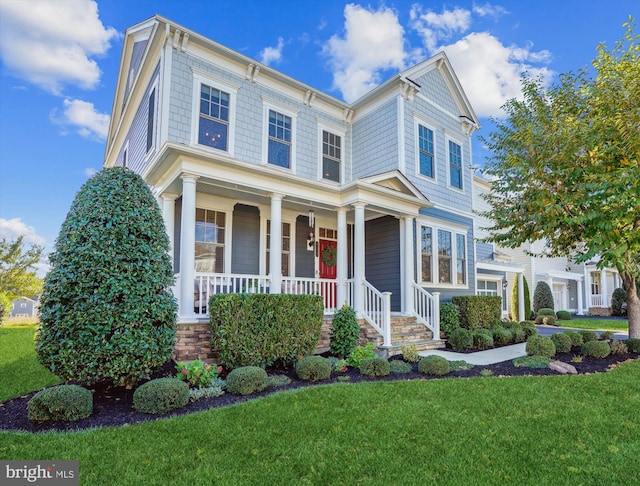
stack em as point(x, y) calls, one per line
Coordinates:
point(482, 339)
point(375, 367)
point(540, 346)
point(633, 344)
point(563, 315)
point(501, 335)
point(66, 403)
point(562, 342)
point(596, 349)
point(618, 298)
point(542, 297)
point(575, 337)
point(460, 339)
point(515, 301)
point(434, 365)
point(313, 368)
point(161, 396)
point(397, 366)
point(449, 318)
point(588, 335)
point(247, 380)
point(345, 332)
point(477, 311)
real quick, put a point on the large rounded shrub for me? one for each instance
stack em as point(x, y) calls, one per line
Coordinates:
point(161, 396)
point(588, 335)
point(562, 342)
point(377, 366)
point(313, 368)
point(64, 402)
point(106, 310)
point(542, 297)
point(482, 339)
point(434, 365)
point(460, 339)
point(246, 380)
point(540, 346)
point(345, 332)
point(596, 349)
point(576, 338)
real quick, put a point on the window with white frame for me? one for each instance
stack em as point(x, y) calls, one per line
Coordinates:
point(426, 152)
point(455, 165)
point(279, 139)
point(331, 156)
point(213, 122)
point(487, 287)
point(286, 248)
point(443, 256)
point(151, 115)
point(210, 240)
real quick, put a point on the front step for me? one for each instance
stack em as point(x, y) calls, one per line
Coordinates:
point(405, 331)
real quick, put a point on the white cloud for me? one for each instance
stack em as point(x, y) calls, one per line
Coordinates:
point(13, 228)
point(83, 116)
point(51, 43)
point(373, 41)
point(435, 27)
point(489, 10)
point(270, 55)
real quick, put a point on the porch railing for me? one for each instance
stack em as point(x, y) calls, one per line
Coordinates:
point(325, 287)
point(208, 284)
point(377, 311)
point(426, 308)
point(597, 300)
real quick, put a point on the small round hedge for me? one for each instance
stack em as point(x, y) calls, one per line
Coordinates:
point(606, 335)
point(61, 403)
point(482, 339)
point(518, 335)
point(562, 342)
point(633, 344)
point(529, 330)
point(460, 339)
point(313, 368)
point(375, 367)
point(434, 365)
point(398, 366)
point(576, 338)
point(546, 311)
point(540, 346)
point(161, 396)
point(588, 335)
point(563, 315)
point(247, 380)
point(546, 320)
point(596, 349)
point(501, 335)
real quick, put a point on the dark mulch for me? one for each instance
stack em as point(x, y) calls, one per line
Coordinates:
point(112, 407)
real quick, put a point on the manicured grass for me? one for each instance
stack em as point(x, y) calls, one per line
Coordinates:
point(20, 371)
point(596, 324)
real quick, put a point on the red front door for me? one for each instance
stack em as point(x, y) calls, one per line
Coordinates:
point(328, 270)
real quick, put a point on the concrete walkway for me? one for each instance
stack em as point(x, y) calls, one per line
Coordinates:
point(487, 357)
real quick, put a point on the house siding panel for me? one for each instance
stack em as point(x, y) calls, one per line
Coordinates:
point(484, 251)
point(305, 259)
point(245, 252)
point(375, 141)
point(382, 257)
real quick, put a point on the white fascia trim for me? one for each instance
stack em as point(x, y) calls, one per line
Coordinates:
point(498, 267)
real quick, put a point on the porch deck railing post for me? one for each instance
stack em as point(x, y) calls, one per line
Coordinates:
point(436, 316)
point(358, 259)
point(341, 270)
point(386, 318)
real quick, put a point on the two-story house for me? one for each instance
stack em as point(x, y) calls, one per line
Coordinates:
point(268, 185)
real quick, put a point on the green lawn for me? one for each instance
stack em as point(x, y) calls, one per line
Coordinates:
point(596, 324)
point(482, 431)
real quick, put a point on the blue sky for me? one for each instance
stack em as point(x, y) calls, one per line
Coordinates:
point(60, 58)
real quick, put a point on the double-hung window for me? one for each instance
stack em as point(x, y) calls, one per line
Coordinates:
point(455, 165)
point(210, 240)
point(213, 123)
point(425, 148)
point(331, 156)
point(461, 260)
point(443, 256)
point(426, 245)
point(280, 139)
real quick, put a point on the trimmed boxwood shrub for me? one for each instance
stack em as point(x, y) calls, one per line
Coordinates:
point(399, 367)
point(460, 339)
point(313, 368)
point(546, 311)
point(501, 335)
point(161, 395)
point(375, 367)
point(264, 329)
point(529, 330)
point(434, 365)
point(247, 380)
point(61, 403)
point(546, 320)
point(477, 311)
point(511, 325)
point(518, 335)
point(633, 344)
point(588, 335)
point(449, 318)
point(562, 342)
point(345, 332)
point(542, 297)
point(563, 315)
point(596, 349)
point(576, 338)
point(482, 339)
point(106, 311)
point(540, 346)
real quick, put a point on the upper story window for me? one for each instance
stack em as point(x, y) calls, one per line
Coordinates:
point(280, 139)
point(425, 147)
point(455, 165)
point(210, 241)
point(331, 156)
point(443, 256)
point(213, 124)
point(151, 114)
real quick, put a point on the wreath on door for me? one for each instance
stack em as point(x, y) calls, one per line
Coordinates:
point(329, 256)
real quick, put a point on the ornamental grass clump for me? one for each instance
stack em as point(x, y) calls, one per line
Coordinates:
point(375, 367)
point(247, 380)
point(540, 346)
point(434, 365)
point(313, 368)
point(66, 403)
point(161, 395)
point(562, 342)
point(596, 349)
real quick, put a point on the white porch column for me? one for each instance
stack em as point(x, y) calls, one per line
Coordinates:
point(521, 298)
point(275, 244)
point(358, 259)
point(604, 290)
point(342, 263)
point(168, 214)
point(188, 245)
point(408, 267)
point(580, 302)
point(587, 290)
point(550, 283)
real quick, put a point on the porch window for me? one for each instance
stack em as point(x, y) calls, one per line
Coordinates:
point(455, 165)
point(595, 283)
point(426, 253)
point(425, 140)
point(444, 256)
point(214, 117)
point(487, 287)
point(461, 261)
point(286, 248)
point(210, 240)
point(279, 150)
point(331, 156)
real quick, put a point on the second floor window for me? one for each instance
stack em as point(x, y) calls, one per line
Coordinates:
point(455, 165)
point(331, 156)
point(213, 130)
point(425, 139)
point(279, 151)
point(151, 119)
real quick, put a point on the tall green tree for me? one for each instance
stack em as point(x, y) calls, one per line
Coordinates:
point(17, 268)
point(566, 166)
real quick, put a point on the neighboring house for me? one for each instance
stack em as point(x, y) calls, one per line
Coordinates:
point(24, 307)
point(269, 185)
point(578, 288)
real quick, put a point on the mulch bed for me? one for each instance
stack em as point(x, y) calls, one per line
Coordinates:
point(112, 407)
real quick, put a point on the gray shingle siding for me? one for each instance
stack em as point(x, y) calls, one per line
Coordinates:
point(484, 251)
point(375, 141)
point(382, 257)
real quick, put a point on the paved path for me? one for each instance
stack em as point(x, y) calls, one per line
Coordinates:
point(549, 330)
point(487, 357)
